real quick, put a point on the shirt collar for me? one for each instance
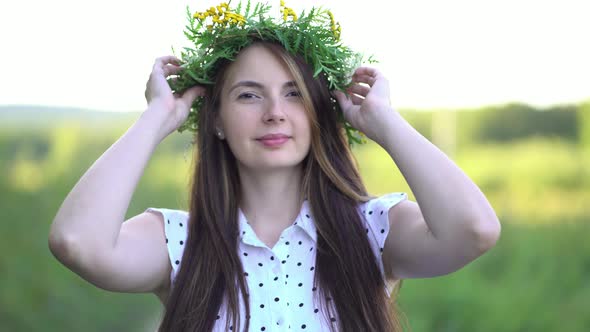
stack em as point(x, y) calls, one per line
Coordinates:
point(304, 221)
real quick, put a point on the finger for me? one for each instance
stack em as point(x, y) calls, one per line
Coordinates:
point(359, 89)
point(370, 80)
point(171, 70)
point(368, 71)
point(356, 99)
point(189, 96)
point(367, 75)
point(161, 61)
point(342, 98)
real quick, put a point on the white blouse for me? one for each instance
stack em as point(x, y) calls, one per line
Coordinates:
point(280, 279)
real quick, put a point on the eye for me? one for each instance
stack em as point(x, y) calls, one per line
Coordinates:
point(247, 95)
point(294, 93)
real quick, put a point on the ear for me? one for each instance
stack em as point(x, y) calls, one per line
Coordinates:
point(219, 130)
point(219, 134)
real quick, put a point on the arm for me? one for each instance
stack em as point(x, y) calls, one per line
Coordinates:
point(452, 222)
point(88, 234)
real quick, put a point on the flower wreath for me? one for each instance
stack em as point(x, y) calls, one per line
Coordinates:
point(221, 32)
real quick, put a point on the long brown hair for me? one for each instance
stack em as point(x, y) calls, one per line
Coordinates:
point(347, 276)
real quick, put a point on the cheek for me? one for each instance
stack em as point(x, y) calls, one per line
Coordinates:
point(238, 132)
point(304, 132)
point(233, 123)
point(306, 129)
point(304, 124)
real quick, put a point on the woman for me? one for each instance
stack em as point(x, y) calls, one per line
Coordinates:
point(281, 233)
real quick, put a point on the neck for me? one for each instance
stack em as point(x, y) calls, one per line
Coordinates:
point(271, 200)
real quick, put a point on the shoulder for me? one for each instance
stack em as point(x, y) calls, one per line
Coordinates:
point(380, 205)
point(375, 215)
point(376, 211)
point(176, 232)
point(170, 215)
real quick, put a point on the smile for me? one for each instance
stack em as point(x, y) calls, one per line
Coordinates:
point(273, 141)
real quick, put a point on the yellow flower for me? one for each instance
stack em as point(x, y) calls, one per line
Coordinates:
point(288, 12)
point(233, 18)
point(200, 16)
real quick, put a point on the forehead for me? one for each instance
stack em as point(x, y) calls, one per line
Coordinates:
point(258, 63)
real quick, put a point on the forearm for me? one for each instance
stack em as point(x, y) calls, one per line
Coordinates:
point(452, 205)
point(92, 213)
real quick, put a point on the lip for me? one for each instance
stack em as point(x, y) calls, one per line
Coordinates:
point(272, 136)
point(273, 140)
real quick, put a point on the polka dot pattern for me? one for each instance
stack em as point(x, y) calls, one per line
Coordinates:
point(176, 233)
point(280, 279)
point(376, 217)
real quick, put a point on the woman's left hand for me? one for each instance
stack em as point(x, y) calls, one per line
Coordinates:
point(367, 106)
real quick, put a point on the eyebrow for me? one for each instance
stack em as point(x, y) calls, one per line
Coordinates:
point(254, 84)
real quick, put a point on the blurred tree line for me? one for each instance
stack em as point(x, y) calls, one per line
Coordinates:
point(493, 124)
point(505, 123)
point(533, 164)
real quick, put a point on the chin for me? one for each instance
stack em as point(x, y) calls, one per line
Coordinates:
point(257, 158)
point(270, 162)
point(277, 164)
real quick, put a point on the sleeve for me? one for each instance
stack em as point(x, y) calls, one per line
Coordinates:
point(376, 218)
point(176, 231)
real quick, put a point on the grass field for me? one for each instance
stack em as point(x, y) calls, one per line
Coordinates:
point(537, 278)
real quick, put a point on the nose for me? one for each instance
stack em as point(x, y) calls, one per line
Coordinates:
point(274, 112)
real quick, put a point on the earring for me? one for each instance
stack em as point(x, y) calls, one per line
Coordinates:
point(219, 134)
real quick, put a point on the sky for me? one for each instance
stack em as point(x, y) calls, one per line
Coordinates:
point(436, 54)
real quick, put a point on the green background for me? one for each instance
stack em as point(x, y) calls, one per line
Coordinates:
point(532, 164)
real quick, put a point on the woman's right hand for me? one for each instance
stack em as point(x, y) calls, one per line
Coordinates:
point(171, 108)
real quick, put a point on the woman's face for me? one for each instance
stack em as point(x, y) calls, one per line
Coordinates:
point(261, 112)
